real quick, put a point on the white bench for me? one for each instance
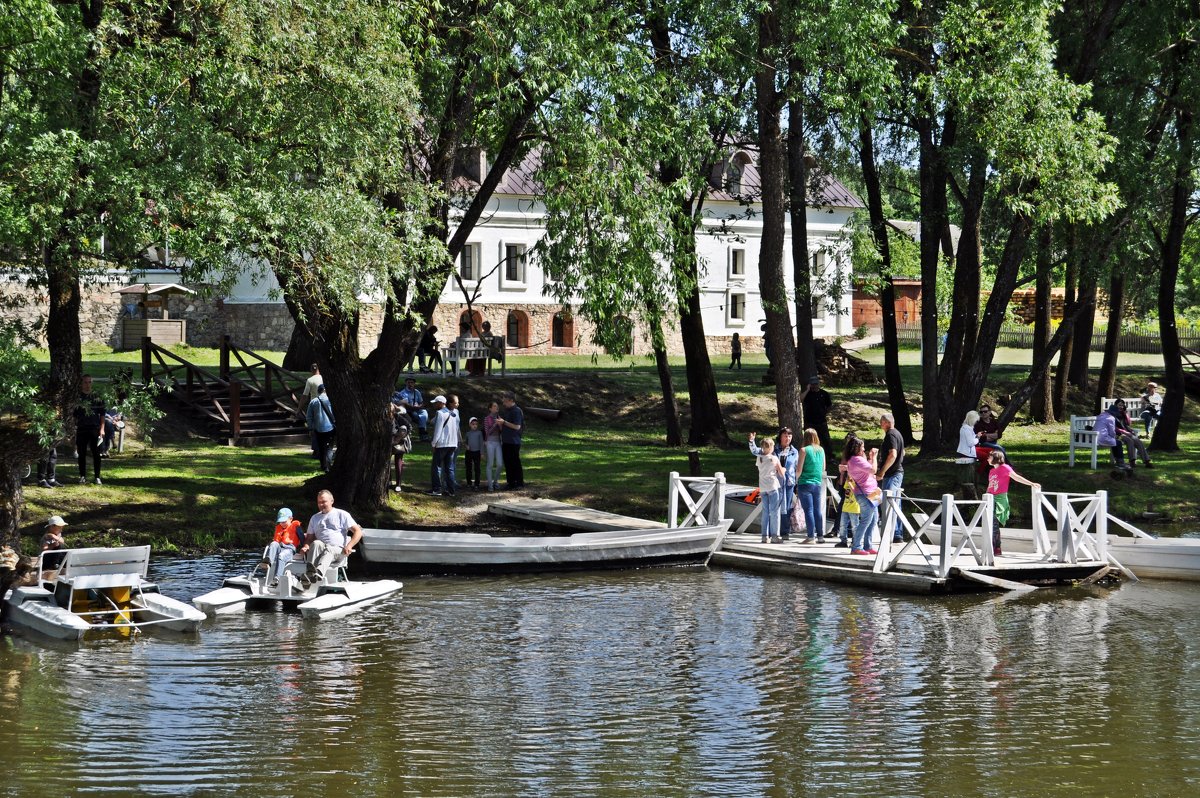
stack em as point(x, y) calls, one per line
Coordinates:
point(1083, 436)
point(464, 349)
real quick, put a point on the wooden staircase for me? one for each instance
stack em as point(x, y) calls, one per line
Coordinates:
point(249, 402)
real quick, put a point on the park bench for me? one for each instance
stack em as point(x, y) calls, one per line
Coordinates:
point(1083, 436)
point(464, 349)
point(1133, 405)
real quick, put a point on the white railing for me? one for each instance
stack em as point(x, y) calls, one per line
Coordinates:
point(702, 510)
point(1078, 528)
point(960, 534)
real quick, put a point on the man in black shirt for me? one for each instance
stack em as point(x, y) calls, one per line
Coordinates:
point(89, 428)
point(816, 402)
point(891, 465)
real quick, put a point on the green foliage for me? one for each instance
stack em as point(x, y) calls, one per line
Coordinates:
point(21, 377)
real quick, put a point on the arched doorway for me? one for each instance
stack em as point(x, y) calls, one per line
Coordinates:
point(516, 330)
point(562, 330)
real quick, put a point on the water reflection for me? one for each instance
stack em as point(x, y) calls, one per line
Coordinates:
point(659, 682)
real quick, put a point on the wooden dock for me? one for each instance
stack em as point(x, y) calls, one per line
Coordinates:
point(910, 572)
point(961, 559)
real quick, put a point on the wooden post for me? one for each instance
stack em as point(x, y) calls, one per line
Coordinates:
point(224, 368)
point(673, 500)
point(989, 518)
point(694, 463)
point(945, 543)
point(719, 495)
point(147, 367)
point(1066, 537)
point(235, 407)
point(1102, 525)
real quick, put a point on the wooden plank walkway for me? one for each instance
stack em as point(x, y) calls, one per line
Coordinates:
point(552, 513)
point(911, 573)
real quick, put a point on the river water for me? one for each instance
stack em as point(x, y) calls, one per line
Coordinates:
point(661, 682)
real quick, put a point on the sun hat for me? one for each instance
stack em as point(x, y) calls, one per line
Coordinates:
point(1152, 385)
point(56, 520)
point(472, 419)
point(283, 515)
point(439, 398)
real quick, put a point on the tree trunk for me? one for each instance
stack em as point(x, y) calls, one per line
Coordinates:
point(62, 331)
point(772, 165)
point(932, 176)
point(1041, 401)
point(300, 355)
point(1106, 386)
point(1166, 431)
point(1064, 358)
point(707, 422)
point(891, 342)
point(12, 499)
point(961, 337)
point(976, 371)
point(798, 209)
point(1079, 371)
point(670, 405)
point(1040, 370)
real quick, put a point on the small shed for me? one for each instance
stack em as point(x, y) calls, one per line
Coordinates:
point(145, 315)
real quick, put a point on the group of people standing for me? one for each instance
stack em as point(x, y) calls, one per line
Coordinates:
point(489, 443)
point(791, 481)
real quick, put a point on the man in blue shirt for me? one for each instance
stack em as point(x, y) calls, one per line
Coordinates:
point(413, 403)
point(512, 424)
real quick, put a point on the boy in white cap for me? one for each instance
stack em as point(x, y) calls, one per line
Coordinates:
point(284, 546)
point(52, 542)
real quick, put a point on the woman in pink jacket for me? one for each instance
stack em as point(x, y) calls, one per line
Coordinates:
point(861, 469)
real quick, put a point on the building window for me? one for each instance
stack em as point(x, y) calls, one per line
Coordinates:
point(816, 275)
point(737, 263)
point(562, 330)
point(515, 258)
point(735, 314)
point(516, 330)
point(468, 263)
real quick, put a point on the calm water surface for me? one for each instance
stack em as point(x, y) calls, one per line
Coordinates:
point(665, 682)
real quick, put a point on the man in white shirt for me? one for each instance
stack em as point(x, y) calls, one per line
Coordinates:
point(446, 436)
point(332, 533)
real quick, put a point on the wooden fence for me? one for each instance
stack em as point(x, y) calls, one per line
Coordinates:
point(1141, 343)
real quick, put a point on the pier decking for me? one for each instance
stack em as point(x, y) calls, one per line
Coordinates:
point(555, 514)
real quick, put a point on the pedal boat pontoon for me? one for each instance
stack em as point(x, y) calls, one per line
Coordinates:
point(334, 597)
point(97, 589)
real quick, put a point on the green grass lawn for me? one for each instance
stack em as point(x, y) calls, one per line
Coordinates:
point(607, 451)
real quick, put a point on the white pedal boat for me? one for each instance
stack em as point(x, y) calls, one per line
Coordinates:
point(333, 598)
point(97, 589)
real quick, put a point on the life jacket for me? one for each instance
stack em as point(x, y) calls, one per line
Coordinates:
point(288, 534)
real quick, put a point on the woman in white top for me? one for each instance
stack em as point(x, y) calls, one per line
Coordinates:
point(769, 489)
point(968, 437)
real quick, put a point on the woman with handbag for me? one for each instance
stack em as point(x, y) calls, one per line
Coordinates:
point(861, 469)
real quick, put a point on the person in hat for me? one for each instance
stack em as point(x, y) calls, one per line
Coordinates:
point(816, 402)
point(52, 545)
point(1151, 406)
point(283, 547)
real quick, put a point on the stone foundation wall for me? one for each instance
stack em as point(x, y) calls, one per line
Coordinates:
point(268, 326)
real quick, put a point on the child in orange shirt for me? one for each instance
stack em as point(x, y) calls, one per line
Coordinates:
point(284, 546)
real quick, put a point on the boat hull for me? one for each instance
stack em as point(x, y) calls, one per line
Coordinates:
point(1148, 558)
point(326, 600)
point(34, 608)
point(420, 551)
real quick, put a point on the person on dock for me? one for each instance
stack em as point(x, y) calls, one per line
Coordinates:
point(512, 424)
point(735, 352)
point(789, 458)
point(770, 473)
point(1128, 435)
point(998, 481)
point(283, 547)
point(1152, 402)
point(891, 467)
point(332, 534)
point(411, 400)
point(89, 428)
point(810, 486)
point(859, 465)
point(492, 429)
point(847, 512)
